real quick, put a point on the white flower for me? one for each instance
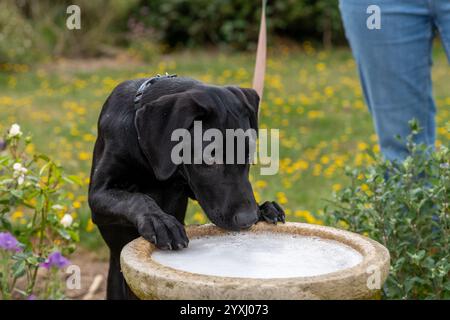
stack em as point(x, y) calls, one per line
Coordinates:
point(66, 220)
point(14, 131)
point(57, 207)
point(17, 166)
point(19, 169)
point(19, 172)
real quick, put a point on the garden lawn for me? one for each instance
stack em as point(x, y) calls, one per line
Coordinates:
point(312, 96)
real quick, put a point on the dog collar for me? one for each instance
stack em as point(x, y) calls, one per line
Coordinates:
point(147, 83)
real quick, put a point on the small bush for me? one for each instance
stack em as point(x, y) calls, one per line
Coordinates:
point(32, 30)
point(37, 222)
point(408, 212)
point(36, 30)
point(17, 36)
point(236, 22)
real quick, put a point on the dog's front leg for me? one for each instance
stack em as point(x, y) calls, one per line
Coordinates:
point(271, 212)
point(112, 206)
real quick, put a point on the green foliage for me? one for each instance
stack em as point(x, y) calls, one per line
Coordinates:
point(409, 214)
point(35, 210)
point(235, 22)
point(36, 30)
point(17, 36)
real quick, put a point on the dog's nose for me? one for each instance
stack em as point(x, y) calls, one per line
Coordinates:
point(244, 219)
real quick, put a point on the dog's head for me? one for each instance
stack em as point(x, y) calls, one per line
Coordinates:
point(218, 176)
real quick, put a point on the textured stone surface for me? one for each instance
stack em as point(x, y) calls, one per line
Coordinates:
point(151, 280)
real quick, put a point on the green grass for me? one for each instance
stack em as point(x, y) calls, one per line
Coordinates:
point(312, 96)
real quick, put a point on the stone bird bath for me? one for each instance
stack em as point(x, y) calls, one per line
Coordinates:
point(354, 267)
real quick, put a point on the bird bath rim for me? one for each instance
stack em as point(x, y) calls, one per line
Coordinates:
point(149, 279)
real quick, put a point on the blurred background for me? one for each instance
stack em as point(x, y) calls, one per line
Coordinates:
point(36, 30)
point(53, 82)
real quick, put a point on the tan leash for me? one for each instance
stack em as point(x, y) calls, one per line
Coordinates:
point(261, 54)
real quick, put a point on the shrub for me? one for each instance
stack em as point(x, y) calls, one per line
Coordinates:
point(37, 224)
point(408, 212)
point(17, 36)
point(235, 22)
point(37, 29)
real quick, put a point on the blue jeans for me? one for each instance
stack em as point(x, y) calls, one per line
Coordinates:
point(394, 64)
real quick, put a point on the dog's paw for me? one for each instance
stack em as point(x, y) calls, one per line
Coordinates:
point(164, 231)
point(271, 212)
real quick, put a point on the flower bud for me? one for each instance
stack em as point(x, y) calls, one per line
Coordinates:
point(66, 220)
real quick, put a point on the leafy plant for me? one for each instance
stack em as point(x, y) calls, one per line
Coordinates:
point(36, 220)
point(235, 22)
point(17, 36)
point(404, 206)
point(36, 30)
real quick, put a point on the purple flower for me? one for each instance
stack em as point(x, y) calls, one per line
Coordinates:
point(2, 144)
point(9, 243)
point(31, 297)
point(55, 259)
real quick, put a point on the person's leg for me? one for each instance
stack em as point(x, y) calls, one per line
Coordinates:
point(441, 13)
point(394, 63)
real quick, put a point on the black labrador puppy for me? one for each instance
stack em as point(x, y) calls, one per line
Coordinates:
point(137, 190)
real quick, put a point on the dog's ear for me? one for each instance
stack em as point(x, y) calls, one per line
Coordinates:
point(156, 121)
point(250, 99)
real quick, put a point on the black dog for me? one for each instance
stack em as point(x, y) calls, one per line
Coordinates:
point(136, 190)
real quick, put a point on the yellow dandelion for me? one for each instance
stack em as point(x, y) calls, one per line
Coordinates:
point(88, 137)
point(329, 91)
point(305, 215)
point(317, 170)
point(324, 159)
point(376, 148)
point(261, 184)
point(362, 146)
point(17, 215)
point(281, 198)
point(343, 224)
point(84, 155)
point(320, 66)
point(199, 217)
point(364, 187)
point(90, 225)
point(257, 196)
point(76, 204)
point(315, 114)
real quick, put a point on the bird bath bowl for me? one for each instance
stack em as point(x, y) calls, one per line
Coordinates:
point(284, 261)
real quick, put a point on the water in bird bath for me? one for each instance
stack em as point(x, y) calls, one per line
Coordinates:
point(261, 255)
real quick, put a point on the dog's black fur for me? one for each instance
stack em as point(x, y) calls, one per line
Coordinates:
point(135, 188)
